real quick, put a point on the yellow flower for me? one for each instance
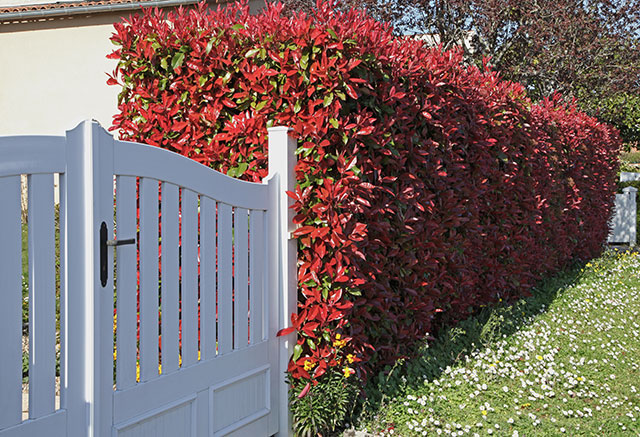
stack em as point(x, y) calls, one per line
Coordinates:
point(539, 357)
point(350, 358)
point(348, 372)
point(484, 412)
point(308, 365)
point(338, 343)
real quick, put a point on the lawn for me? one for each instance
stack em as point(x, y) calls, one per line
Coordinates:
point(566, 360)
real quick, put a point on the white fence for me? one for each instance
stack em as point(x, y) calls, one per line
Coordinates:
point(162, 310)
point(624, 220)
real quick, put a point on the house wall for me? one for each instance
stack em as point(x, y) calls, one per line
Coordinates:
point(53, 73)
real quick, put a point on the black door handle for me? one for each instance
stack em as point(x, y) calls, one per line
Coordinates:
point(103, 251)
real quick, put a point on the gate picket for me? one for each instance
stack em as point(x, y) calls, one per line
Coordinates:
point(11, 308)
point(256, 277)
point(170, 279)
point(207, 278)
point(148, 279)
point(126, 284)
point(42, 297)
point(241, 272)
point(189, 278)
point(225, 299)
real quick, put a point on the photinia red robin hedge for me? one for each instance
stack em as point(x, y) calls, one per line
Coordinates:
point(426, 188)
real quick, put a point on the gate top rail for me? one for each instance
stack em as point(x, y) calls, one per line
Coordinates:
point(32, 155)
point(141, 160)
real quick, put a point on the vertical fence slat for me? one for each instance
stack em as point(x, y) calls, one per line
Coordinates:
point(225, 300)
point(148, 279)
point(241, 272)
point(257, 259)
point(126, 283)
point(42, 298)
point(207, 278)
point(189, 277)
point(11, 308)
point(170, 279)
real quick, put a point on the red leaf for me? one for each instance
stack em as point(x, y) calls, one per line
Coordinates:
point(285, 331)
point(304, 391)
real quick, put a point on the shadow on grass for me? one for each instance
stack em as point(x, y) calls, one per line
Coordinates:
point(455, 342)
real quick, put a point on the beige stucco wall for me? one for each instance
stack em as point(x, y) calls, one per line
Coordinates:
point(53, 74)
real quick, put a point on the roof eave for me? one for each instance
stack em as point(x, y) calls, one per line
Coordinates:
point(90, 9)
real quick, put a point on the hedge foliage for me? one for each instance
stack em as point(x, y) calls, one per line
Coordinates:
point(426, 188)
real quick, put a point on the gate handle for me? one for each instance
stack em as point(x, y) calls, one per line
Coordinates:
point(115, 243)
point(103, 251)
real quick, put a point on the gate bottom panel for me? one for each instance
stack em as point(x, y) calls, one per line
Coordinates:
point(53, 425)
point(235, 387)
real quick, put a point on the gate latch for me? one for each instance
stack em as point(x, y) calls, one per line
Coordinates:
point(115, 243)
point(103, 251)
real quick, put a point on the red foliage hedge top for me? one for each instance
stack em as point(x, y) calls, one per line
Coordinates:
point(425, 188)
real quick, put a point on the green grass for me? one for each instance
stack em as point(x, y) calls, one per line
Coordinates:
point(566, 360)
point(630, 157)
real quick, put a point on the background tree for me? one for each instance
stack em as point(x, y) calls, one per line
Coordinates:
point(583, 49)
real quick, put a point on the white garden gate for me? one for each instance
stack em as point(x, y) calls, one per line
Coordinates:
point(172, 283)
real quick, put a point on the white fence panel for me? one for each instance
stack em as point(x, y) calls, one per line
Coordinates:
point(627, 176)
point(34, 160)
point(623, 224)
point(204, 286)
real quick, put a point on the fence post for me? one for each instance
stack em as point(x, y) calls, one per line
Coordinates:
point(282, 161)
point(631, 213)
point(80, 279)
point(89, 199)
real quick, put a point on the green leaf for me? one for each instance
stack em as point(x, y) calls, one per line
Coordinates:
point(297, 107)
point(304, 61)
point(332, 33)
point(333, 122)
point(311, 344)
point(251, 53)
point(327, 100)
point(210, 44)
point(177, 60)
point(202, 80)
point(164, 64)
point(238, 26)
point(242, 167)
point(297, 351)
